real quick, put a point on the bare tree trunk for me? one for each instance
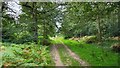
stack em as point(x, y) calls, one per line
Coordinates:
point(45, 30)
point(119, 20)
point(99, 29)
point(98, 24)
point(35, 27)
point(1, 22)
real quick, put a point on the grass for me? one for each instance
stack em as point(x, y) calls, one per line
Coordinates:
point(56, 40)
point(66, 58)
point(93, 54)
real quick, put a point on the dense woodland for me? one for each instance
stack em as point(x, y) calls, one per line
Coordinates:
point(89, 29)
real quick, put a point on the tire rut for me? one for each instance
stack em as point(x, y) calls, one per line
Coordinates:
point(56, 57)
point(75, 56)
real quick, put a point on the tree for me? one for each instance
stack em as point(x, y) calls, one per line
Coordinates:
point(89, 19)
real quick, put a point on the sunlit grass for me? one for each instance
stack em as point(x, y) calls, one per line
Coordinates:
point(94, 55)
point(56, 40)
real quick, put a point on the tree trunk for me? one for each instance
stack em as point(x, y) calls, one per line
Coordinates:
point(98, 23)
point(119, 20)
point(45, 30)
point(35, 27)
point(0, 21)
point(99, 29)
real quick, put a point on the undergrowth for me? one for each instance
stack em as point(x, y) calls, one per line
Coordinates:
point(24, 55)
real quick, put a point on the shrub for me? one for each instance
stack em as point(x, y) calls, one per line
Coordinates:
point(45, 42)
point(74, 38)
point(116, 47)
point(89, 39)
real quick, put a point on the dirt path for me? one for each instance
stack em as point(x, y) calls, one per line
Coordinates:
point(56, 57)
point(75, 56)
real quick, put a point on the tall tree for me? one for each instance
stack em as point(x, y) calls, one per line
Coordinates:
point(35, 25)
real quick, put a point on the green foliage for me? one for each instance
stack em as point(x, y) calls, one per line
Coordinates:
point(23, 54)
point(77, 19)
point(81, 19)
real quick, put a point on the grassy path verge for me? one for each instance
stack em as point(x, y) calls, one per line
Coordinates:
point(65, 56)
point(93, 54)
point(75, 56)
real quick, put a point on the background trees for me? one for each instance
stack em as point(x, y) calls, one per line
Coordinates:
point(91, 19)
point(43, 19)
